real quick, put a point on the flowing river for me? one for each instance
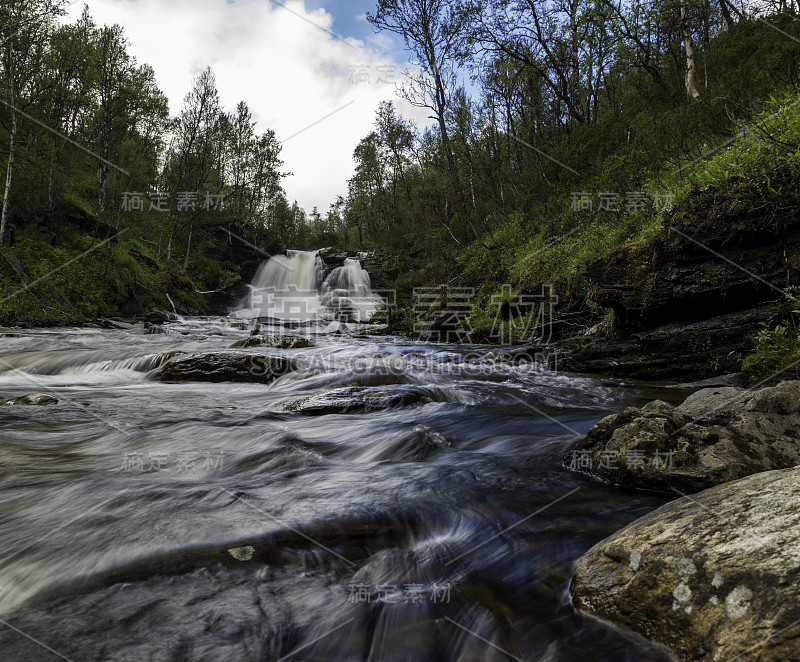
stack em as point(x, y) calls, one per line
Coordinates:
point(148, 521)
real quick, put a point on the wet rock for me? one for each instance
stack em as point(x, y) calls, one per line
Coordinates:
point(420, 444)
point(671, 278)
point(443, 326)
point(222, 367)
point(375, 330)
point(521, 354)
point(683, 309)
point(33, 399)
point(121, 325)
point(242, 553)
point(715, 436)
point(714, 578)
point(356, 399)
point(104, 323)
point(160, 317)
point(279, 342)
point(675, 350)
point(333, 258)
point(732, 379)
point(154, 329)
point(414, 446)
point(383, 269)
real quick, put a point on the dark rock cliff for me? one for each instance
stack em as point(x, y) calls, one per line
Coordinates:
point(685, 303)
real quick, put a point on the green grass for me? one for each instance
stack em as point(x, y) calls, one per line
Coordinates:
point(752, 183)
point(777, 347)
point(111, 279)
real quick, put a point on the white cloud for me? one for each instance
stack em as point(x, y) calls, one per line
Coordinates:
point(291, 73)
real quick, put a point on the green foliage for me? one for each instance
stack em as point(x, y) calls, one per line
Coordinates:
point(527, 145)
point(580, 98)
point(79, 276)
point(768, 144)
point(777, 347)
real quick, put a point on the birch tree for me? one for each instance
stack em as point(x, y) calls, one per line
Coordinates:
point(25, 28)
point(688, 45)
point(432, 31)
point(192, 154)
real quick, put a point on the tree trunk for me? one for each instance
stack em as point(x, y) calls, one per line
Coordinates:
point(188, 248)
point(448, 151)
point(7, 192)
point(171, 242)
point(575, 67)
point(691, 88)
point(102, 177)
point(726, 13)
point(51, 177)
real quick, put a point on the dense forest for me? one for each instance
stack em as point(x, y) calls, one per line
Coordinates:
point(559, 131)
point(592, 119)
point(88, 137)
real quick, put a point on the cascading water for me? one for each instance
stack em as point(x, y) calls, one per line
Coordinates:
point(347, 293)
point(200, 521)
point(295, 288)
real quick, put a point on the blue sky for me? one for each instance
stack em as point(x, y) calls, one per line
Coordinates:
point(349, 16)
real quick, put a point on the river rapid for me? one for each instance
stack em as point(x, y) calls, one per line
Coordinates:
point(147, 521)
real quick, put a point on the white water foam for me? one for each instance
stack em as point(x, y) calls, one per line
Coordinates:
point(295, 288)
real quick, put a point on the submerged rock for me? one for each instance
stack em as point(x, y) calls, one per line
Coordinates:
point(155, 330)
point(116, 324)
point(373, 330)
point(279, 342)
point(161, 317)
point(356, 399)
point(33, 399)
point(245, 553)
point(715, 436)
point(713, 577)
point(222, 367)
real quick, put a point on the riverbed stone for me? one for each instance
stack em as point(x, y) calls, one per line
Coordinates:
point(373, 330)
point(715, 436)
point(161, 317)
point(356, 399)
point(277, 341)
point(713, 577)
point(35, 399)
point(222, 367)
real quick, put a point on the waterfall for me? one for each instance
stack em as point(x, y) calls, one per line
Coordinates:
point(295, 288)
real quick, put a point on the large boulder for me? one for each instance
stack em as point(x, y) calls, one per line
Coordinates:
point(279, 342)
point(715, 436)
point(222, 367)
point(714, 576)
point(356, 400)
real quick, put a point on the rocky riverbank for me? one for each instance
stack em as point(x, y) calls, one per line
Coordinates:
point(713, 575)
point(717, 435)
point(684, 305)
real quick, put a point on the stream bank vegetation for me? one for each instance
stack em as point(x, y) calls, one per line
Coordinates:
point(586, 129)
point(562, 132)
